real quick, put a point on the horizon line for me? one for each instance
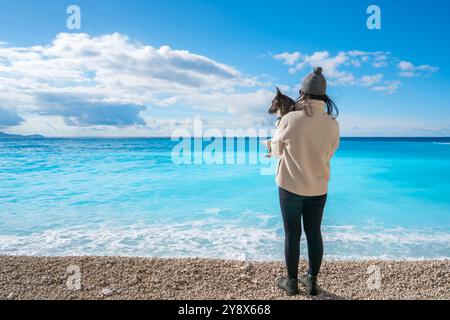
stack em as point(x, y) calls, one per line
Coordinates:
point(39, 136)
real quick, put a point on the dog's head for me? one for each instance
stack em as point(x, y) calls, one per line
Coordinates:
point(281, 103)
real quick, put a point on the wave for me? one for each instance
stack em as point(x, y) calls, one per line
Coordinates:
point(209, 239)
point(384, 235)
point(178, 240)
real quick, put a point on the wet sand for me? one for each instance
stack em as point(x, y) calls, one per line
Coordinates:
point(154, 278)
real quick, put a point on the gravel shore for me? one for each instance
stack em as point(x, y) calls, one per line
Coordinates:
point(152, 278)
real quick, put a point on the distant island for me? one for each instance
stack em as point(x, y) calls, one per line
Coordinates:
point(15, 136)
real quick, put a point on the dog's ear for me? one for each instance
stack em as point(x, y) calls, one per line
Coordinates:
point(278, 92)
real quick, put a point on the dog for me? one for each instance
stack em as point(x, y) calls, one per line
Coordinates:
point(281, 106)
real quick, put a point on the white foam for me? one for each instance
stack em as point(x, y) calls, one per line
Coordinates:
point(178, 240)
point(214, 238)
point(384, 235)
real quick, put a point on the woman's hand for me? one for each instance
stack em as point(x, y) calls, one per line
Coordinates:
point(268, 144)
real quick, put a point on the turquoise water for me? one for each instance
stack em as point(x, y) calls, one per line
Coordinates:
point(388, 198)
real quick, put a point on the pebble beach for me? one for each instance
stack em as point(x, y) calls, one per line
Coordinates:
point(120, 278)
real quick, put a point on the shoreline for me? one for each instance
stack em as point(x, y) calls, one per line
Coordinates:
point(96, 277)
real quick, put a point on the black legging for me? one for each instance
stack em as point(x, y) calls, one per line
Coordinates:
point(293, 208)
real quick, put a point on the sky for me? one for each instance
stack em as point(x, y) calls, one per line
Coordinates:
point(147, 68)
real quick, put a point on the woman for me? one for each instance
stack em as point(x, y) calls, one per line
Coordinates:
point(305, 142)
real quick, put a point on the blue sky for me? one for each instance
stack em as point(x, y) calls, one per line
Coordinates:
point(148, 67)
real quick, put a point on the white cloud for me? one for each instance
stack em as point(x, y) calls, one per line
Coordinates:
point(407, 69)
point(405, 66)
point(109, 85)
point(334, 65)
point(381, 60)
point(234, 103)
point(380, 64)
point(387, 86)
point(342, 68)
point(368, 81)
point(110, 80)
point(329, 63)
point(288, 58)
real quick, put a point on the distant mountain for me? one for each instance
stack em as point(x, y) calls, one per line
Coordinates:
point(15, 136)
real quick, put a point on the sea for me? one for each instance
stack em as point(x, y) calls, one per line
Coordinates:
point(389, 198)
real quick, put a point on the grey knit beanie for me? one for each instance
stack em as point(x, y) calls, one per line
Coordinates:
point(315, 83)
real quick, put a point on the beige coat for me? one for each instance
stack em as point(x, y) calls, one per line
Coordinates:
point(304, 145)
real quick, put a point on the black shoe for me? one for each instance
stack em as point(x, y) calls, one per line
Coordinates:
point(310, 282)
point(290, 286)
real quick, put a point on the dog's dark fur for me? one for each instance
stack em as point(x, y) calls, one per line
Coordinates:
point(283, 103)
